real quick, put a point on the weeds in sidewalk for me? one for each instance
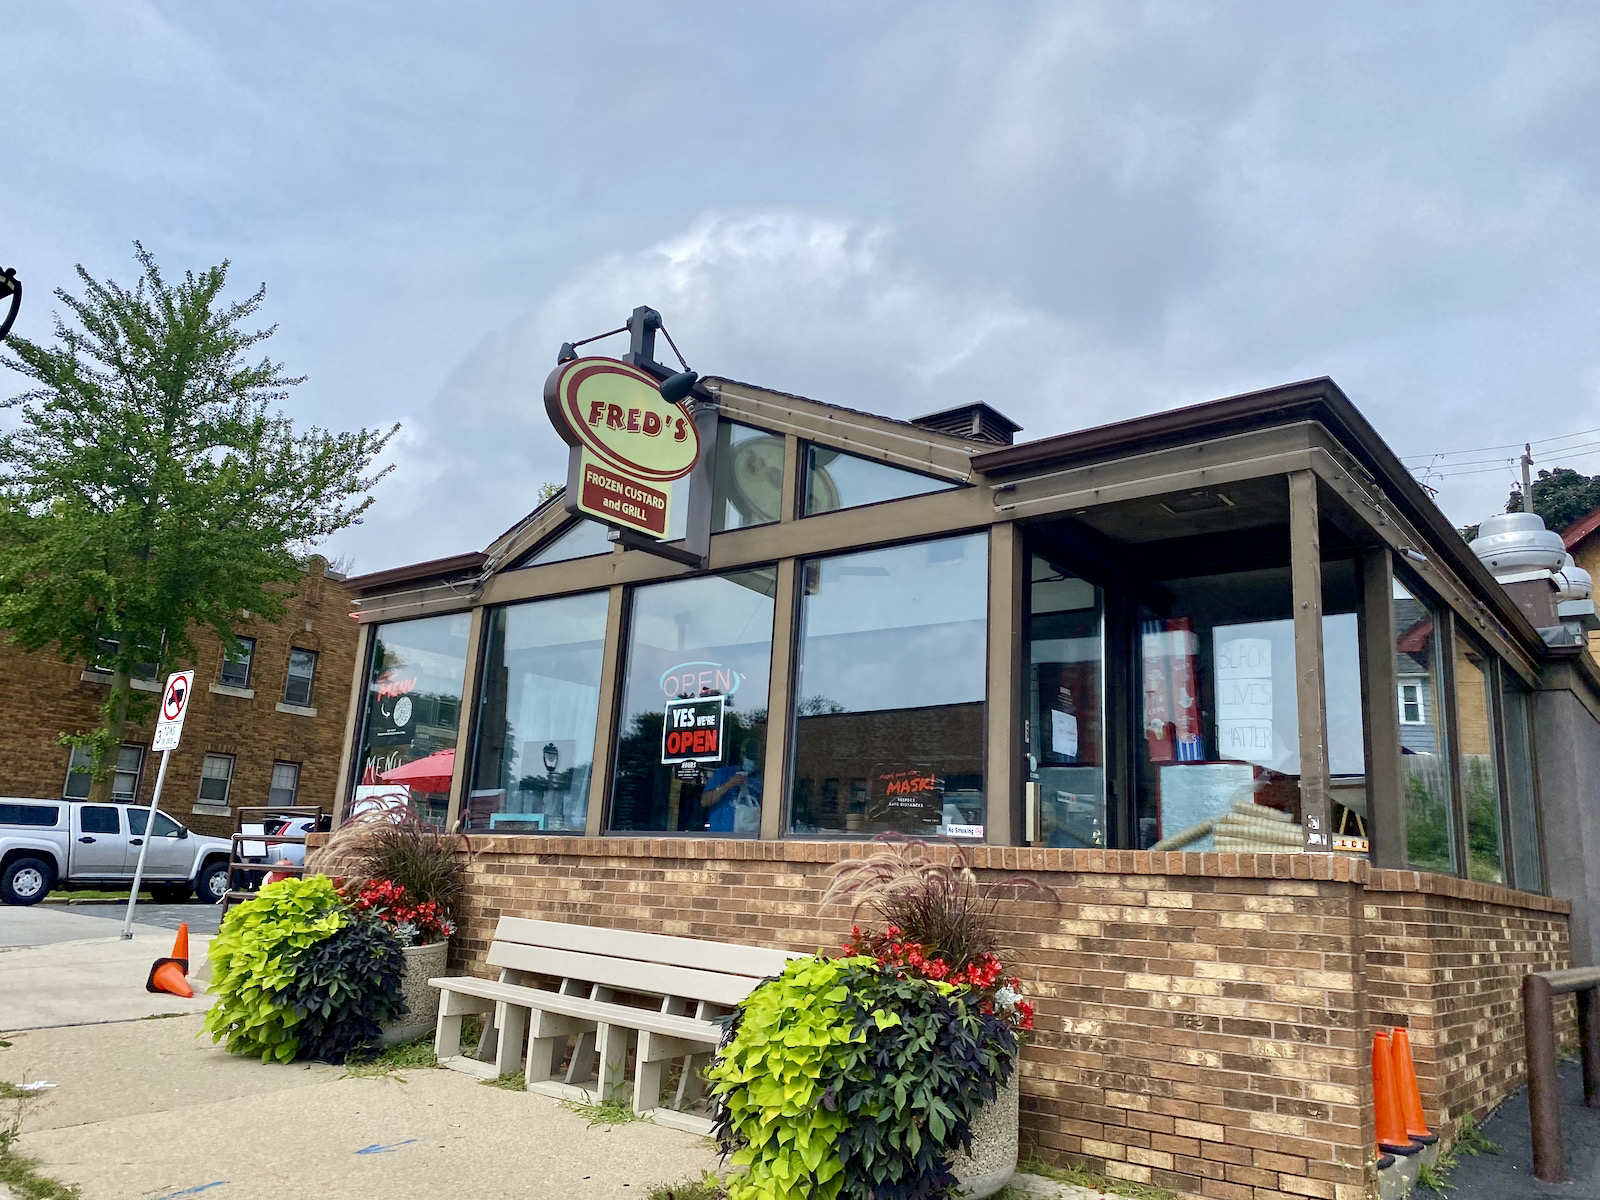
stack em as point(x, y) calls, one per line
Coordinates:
point(608, 1112)
point(511, 1081)
point(707, 1187)
point(18, 1172)
point(1435, 1176)
point(1470, 1139)
point(407, 1056)
point(1085, 1178)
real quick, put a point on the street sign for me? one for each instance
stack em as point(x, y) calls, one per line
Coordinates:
point(174, 706)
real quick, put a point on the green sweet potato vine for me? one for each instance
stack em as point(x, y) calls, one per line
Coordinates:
point(848, 1079)
point(253, 960)
point(343, 989)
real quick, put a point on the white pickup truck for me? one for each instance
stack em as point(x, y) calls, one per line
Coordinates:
point(46, 843)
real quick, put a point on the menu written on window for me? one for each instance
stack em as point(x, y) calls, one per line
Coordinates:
point(1244, 700)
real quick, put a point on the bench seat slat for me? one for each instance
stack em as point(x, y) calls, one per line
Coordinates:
point(754, 962)
point(623, 973)
point(687, 1028)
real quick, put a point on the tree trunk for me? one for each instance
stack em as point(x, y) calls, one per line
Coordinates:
point(113, 717)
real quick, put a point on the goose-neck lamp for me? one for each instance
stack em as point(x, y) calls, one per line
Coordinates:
point(10, 286)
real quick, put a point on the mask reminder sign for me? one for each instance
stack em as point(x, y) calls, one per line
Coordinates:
point(692, 731)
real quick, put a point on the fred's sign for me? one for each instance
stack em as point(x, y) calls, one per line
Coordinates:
point(628, 443)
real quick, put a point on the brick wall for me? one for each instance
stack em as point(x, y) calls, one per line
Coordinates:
point(1446, 959)
point(1203, 1019)
point(47, 697)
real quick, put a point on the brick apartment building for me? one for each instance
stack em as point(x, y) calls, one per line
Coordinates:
point(264, 728)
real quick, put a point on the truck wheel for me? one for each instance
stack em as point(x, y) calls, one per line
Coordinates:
point(170, 893)
point(26, 880)
point(212, 882)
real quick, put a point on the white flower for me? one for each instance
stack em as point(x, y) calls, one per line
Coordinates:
point(1007, 998)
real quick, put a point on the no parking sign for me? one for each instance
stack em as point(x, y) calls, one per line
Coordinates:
point(174, 706)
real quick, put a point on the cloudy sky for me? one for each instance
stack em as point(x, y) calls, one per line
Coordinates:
point(1076, 211)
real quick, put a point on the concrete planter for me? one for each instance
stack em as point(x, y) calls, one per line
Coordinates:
point(422, 964)
point(994, 1144)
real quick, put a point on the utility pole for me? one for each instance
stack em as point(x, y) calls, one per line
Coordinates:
point(1527, 486)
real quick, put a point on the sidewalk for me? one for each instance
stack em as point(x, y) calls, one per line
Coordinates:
point(90, 979)
point(145, 1109)
point(1509, 1174)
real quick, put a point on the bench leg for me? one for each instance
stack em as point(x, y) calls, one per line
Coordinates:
point(690, 1083)
point(612, 1045)
point(655, 1052)
point(547, 1043)
point(512, 1022)
point(447, 1032)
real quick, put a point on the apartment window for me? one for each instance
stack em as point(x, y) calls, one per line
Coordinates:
point(236, 666)
point(107, 649)
point(124, 778)
point(216, 778)
point(302, 667)
point(1412, 711)
point(285, 783)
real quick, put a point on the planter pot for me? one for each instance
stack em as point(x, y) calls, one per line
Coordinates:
point(422, 964)
point(994, 1145)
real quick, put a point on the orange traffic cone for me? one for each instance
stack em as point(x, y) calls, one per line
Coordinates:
point(1386, 1100)
point(1405, 1071)
point(167, 974)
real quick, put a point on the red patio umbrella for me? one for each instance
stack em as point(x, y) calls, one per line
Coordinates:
point(430, 774)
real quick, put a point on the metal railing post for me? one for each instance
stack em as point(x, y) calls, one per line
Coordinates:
point(1589, 1042)
point(1544, 1105)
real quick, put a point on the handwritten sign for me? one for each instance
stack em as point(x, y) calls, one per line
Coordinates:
point(1244, 700)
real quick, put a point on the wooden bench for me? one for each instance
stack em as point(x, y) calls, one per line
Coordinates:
point(560, 982)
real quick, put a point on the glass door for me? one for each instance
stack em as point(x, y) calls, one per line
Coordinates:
point(1066, 705)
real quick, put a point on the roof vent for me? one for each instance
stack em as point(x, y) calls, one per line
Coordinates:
point(1516, 546)
point(978, 422)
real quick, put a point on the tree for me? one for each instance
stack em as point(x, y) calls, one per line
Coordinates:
point(1560, 497)
point(148, 491)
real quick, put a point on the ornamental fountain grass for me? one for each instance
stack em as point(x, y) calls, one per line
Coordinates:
point(887, 1073)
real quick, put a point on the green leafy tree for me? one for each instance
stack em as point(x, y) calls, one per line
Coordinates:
point(150, 489)
point(1560, 496)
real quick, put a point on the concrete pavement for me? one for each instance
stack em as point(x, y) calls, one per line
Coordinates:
point(90, 978)
point(145, 1109)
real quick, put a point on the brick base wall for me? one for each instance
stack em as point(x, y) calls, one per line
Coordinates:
point(1446, 959)
point(1203, 1019)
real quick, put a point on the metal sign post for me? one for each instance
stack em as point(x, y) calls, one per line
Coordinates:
point(169, 729)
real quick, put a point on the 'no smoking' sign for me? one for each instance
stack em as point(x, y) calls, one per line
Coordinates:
point(174, 705)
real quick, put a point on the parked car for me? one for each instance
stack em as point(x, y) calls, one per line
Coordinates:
point(48, 843)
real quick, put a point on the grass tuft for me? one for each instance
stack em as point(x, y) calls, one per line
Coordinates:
point(18, 1172)
point(1085, 1178)
point(1435, 1176)
point(512, 1081)
point(1470, 1139)
point(407, 1056)
point(707, 1187)
point(609, 1112)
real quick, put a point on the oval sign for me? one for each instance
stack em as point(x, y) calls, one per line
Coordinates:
point(616, 413)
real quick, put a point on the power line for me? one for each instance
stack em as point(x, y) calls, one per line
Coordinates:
point(1450, 473)
point(1504, 445)
point(1553, 454)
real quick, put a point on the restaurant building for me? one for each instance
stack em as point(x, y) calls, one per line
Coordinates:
point(1225, 677)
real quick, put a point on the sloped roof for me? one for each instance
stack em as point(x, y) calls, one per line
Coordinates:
point(1578, 532)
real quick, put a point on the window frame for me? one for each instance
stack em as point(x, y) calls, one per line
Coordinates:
point(227, 793)
point(271, 787)
point(289, 677)
point(116, 798)
point(249, 664)
point(1421, 705)
point(801, 498)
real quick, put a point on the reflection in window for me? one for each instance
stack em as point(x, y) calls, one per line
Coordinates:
point(236, 666)
point(412, 713)
point(1220, 768)
point(889, 713)
point(583, 539)
point(216, 779)
point(1424, 776)
point(749, 479)
point(1066, 705)
point(1519, 779)
point(536, 718)
point(710, 636)
point(836, 480)
point(124, 778)
point(1475, 754)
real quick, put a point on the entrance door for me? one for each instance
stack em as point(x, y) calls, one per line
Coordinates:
point(1066, 705)
point(99, 846)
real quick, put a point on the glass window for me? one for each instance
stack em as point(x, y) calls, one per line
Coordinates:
point(285, 783)
point(537, 709)
point(1411, 709)
point(43, 815)
point(412, 712)
point(302, 670)
point(216, 779)
point(1475, 759)
point(583, 539)
point(165, 826)
point(748, 489)
point(100, 818)
point(1523, 808)
point(1220, 762)
point(236, 666)
point(1430, 824)
point(1066, 705)
point(889, 690)
point(124, 778)
point(837, 480)
point(709, 637)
